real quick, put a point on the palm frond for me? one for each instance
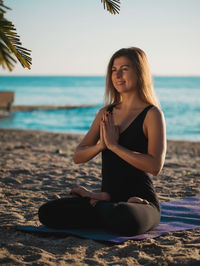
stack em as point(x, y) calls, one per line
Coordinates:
point(6, 60)
point(113, 6)
point(10, 44)
point(3, 7)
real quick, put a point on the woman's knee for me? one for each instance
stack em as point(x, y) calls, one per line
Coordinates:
point(123, 219)
point(47, 212)
point(43, 213)
point(131, 219)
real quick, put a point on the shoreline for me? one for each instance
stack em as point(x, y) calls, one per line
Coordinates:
point(4, 113)
point(18, 108)
point(37, 166)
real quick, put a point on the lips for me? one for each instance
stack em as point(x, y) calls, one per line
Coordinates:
point(120, 82)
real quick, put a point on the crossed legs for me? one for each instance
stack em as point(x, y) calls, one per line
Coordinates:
point(123, 218)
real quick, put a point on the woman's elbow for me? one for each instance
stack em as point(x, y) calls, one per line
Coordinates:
point(76, 159)
point(155, 171)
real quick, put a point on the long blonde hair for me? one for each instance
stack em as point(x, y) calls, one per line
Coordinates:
point(145, 84)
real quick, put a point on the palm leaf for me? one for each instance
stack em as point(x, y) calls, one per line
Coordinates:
point(6, 60)
point(3, 7)
point(10, 44)
point(113, 6)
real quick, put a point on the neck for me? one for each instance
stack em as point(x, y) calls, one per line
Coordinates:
point(131, 101)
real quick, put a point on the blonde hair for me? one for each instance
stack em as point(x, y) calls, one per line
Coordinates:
point(145, 84)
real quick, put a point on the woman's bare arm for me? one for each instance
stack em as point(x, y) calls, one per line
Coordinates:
point(154, 127)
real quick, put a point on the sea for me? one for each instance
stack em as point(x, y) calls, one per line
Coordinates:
point(179, 98)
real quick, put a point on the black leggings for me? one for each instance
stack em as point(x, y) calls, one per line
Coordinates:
point(122, 218)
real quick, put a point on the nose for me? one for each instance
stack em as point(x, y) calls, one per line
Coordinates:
point(119, 73)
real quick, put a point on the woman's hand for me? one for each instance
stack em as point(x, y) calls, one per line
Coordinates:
point(101, 140)
point(137, 200)
point(110, 131)
point(80, 191)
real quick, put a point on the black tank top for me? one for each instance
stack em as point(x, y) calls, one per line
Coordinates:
point(122, 180)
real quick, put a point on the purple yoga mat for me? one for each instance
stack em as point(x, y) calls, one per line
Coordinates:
point(176, 216)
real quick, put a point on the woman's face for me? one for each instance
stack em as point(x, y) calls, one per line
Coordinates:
point(124, 77)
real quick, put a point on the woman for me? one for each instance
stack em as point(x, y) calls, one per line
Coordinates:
point(130, 133)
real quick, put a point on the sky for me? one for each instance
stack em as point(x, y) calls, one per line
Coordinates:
point(78, 37)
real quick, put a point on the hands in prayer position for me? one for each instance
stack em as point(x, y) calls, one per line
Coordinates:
point(109, 133)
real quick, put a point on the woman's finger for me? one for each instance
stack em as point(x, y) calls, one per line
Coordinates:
point(101, 135)
point(106, 116)
point(111, 118)
point(103, 128)
point(104, 133)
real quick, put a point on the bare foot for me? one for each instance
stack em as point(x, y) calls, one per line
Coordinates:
point(80, 191)
point(137, 200)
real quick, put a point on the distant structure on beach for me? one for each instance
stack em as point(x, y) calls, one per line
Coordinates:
point(6, 100)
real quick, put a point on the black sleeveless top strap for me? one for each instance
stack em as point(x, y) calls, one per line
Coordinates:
point(122, 180)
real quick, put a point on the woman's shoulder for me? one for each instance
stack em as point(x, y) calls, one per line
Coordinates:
point(154, 113)
point(154, 109)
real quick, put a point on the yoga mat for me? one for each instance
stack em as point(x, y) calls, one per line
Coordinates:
point(176, 216)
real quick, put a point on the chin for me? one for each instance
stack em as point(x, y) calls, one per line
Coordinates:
point(121, 89)
point(124, 90)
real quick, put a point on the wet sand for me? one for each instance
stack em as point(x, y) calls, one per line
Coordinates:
point(37, 166)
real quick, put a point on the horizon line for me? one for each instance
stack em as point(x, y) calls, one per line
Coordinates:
point(91, 75)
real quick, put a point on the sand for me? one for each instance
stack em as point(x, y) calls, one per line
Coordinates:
point(37, 166)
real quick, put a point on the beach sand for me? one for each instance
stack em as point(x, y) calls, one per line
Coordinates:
point(37, 166)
